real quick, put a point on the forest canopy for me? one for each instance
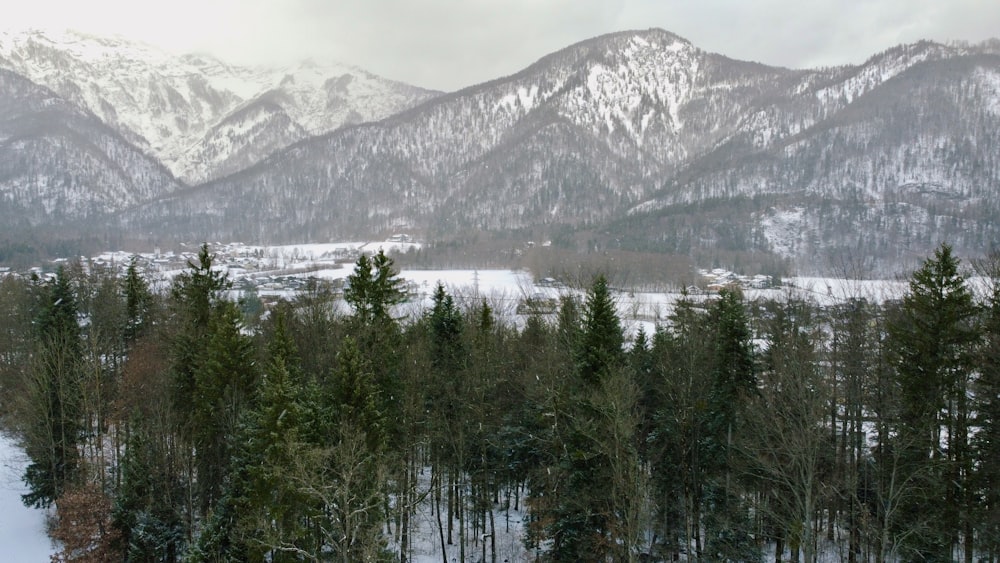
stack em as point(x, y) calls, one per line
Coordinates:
point(184, 424)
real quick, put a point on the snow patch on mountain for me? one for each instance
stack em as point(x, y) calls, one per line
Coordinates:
point(783, 229)
point(167, 104)
point(989, 81)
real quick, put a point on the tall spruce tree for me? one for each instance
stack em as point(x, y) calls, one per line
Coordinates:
point(986, 443)
point(600, 347)
point(54, 428)
point(583, 514)
point(932, 339)
point(194, 295)
point(354, 490)
point(727, 525)
point(138, 302)
point(224, 381)
point(373, 288)
point(678, 446)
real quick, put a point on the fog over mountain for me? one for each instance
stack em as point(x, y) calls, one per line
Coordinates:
point(637, 140)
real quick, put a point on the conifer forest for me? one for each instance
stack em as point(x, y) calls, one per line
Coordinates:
point(181, 424)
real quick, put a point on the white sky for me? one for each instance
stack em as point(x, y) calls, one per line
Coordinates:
point(449, 44)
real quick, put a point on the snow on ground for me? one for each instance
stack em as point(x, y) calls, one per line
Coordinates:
point(827, 291)
point(426, 546)
point(22, 529)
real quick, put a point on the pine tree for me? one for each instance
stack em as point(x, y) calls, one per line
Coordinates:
point(353, 489)
point(986, 443)
point(678, 442)
point(932, 340)
point(224, 384)
point(54, 430)
point(138, 302)
point(194, 294)
point(148, 503)
point(261, 514)
point(727, 528)
point(600, 347)
point(373, 289)
point(583, 511)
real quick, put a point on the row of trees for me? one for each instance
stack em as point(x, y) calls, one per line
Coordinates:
point(180, 426)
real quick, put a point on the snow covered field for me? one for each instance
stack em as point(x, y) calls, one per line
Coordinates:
point(22, 529)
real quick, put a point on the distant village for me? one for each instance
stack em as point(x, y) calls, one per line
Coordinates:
point(274, 272)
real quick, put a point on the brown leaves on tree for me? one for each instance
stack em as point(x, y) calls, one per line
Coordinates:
point(83, 526)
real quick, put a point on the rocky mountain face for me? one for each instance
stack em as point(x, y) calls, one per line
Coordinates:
point(578, 138)
point(635, 140)
point(199, 116)
point(61, 166)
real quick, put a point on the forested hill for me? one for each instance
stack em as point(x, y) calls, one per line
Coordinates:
point(637, 140)
point(184, 425)
point(642, 141)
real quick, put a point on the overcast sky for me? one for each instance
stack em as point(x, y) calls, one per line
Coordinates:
point(449, 44)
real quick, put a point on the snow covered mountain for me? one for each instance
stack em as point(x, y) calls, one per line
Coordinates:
point(577, 137)
point(642, 140)
point(636, 140)
point(62, 166)
point(200, 116)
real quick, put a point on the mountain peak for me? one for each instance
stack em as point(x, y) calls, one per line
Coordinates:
point(168, 105)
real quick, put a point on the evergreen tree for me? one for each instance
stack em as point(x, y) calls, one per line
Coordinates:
point(600, 348)
point(195, 294)
point(262, 515)
point(932, 341)
point(353, 489)
point(677, 444)
point(727, 527)
point(138, 302)
point(583, 512)
point(224, 383)
point(986, 443)
point(54, 429)
point(147, 509)
point(373, 289)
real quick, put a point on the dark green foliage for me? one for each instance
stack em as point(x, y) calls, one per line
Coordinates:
point(313, 436)
point(354, 396)
point(728, 528)
point(600, 345)
point(448, 348)
point(732, 369)
point(138, 302)
point(372, 291)
point(54, 393)
point(194, 295)
point(986, 442)
point(373, 288)
point(585, 440)
point(932, 339)
point(262, 512)
point(224, 382)
point(147, 504)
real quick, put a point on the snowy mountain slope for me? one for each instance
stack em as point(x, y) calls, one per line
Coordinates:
point(637, 140)
point(911, 162)
point(601, 121)
point(628, 135)
point(60, 164)
point(243, 138)
point(171, 106)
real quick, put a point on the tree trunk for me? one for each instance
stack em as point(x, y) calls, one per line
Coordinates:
point(437, 512)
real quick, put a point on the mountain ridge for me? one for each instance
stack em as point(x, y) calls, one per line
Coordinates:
point(604, 144)
point(166, 104)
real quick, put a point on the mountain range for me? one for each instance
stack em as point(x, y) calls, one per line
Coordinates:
point(636, 140)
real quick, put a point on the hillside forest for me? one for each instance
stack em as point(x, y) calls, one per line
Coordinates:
point(185, 425)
